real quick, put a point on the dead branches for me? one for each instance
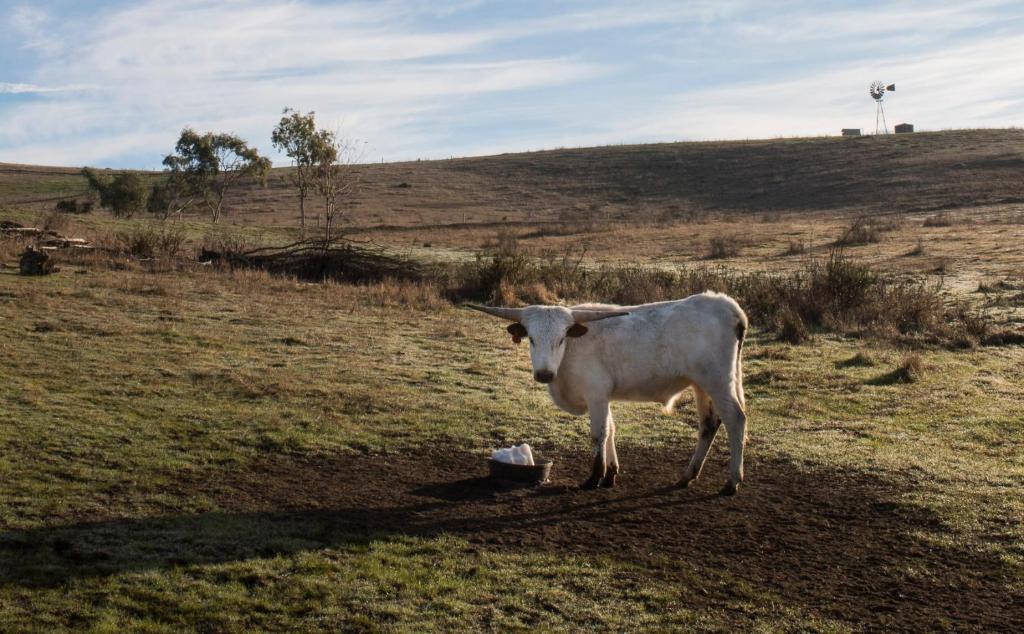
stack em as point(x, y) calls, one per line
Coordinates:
point(337, 259)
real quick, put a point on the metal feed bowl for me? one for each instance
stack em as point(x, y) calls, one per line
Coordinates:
point(526, 474)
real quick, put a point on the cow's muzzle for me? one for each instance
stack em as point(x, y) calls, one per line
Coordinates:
point(544, 376)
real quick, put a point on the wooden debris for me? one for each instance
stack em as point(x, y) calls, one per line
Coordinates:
point(21, 232)
point(65, 243)
point(316, 260)
point(45, 239)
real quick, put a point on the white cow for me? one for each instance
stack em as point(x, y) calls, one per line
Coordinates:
point(651, 352)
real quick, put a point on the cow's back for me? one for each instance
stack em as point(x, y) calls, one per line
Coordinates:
point(647, 354)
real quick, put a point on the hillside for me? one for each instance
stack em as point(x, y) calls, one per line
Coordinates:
point(918, 172)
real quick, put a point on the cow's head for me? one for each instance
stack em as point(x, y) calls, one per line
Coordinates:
point(547, 328)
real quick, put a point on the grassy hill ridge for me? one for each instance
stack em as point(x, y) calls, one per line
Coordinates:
point(917, 172)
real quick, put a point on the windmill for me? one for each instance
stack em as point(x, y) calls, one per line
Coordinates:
point(877, 92)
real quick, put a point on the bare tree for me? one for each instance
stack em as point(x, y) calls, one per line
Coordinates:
point(336, 175)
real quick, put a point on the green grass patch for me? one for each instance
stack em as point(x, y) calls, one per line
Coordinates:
point(118, 384)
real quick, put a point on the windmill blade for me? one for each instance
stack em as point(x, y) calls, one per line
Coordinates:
point(876, 90)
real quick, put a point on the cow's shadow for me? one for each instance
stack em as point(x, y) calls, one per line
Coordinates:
point(51, 556)
point(838, 541)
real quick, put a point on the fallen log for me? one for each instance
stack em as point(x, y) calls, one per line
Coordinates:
point(65, 243)
point(46, 239)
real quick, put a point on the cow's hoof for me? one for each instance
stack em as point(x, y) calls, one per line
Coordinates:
point(684, 483)
point(729, 489)
point(608, 482)
point(590, 483)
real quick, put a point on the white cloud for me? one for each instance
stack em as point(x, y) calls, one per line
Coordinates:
point(161, 65)
point(26, 89)
point(91, 151)
point(873, 25)
point(407, 75)
point(32, 24)
point(971, 85)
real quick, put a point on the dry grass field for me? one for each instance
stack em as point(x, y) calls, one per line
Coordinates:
point(190, 447)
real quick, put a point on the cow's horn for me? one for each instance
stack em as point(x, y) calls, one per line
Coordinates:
point(583, 316)
point(511, 314)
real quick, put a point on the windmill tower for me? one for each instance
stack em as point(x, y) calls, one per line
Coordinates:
point(877, 92)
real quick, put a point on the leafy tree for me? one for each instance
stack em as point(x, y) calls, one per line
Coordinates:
point(123, 194)
point(296, 135)
point(209, 165)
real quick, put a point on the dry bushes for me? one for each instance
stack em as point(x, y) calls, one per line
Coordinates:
point(910, 369)
point(832, 295)
point(869, 229)
point(796, 247)
point(52, 222)
point(938, 220)
point(149, 241)
point(835, 295)
point(722, 248)
point(860, 360)
point(405, 294)
point(861, 232)
point(917, 250)
point(73, 206)
point(789, 327)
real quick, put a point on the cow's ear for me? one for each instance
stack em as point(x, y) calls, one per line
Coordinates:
point(576, 330)
point(517, 330)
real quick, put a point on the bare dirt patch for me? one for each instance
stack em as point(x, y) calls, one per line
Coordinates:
point(840, 544)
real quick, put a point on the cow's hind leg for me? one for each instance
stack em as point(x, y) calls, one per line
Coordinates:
point(600, 420)
point(735, 420)
point(708, 423)
point(611, 456)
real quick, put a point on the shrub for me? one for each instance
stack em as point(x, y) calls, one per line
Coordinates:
point(485, 278)
point(836, 295)
point(859, 233)
point(224, 243)
point(938, 220)
point(150, 241)
point(53, 221)
point(790, 328)
point(796, 247)
point(860, 360)
point(918, 248)
point(73, 206)
point(123, 194)
point(390, 293)
point(910, 368)
point(721, 248)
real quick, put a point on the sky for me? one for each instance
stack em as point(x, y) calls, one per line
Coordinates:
point(111, 83)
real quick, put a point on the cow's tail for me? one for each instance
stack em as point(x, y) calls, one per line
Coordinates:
point(741, 332)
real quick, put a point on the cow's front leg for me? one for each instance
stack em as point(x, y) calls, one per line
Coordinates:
point(600, 418)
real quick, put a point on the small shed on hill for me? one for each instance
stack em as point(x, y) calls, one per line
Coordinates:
point(904, 128)
point(851, 131)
